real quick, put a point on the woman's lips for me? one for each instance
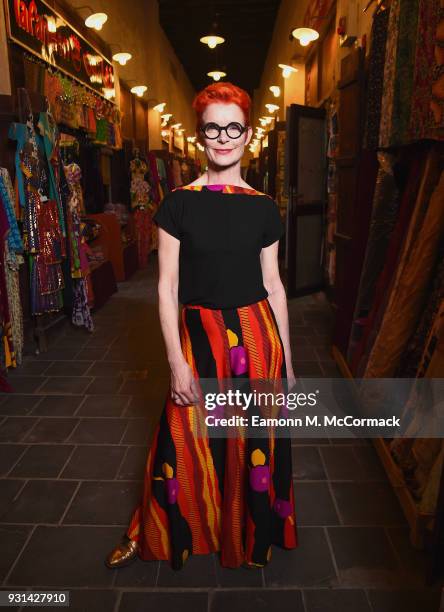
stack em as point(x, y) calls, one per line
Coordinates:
point(223, 151)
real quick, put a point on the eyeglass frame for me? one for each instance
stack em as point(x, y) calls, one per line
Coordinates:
point(244, 128)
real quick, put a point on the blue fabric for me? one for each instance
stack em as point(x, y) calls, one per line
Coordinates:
point(19, 132)
point(14, 238)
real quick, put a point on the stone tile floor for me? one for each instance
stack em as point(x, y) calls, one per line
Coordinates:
point(73, 444)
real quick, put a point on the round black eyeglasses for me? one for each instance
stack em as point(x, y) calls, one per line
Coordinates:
point(232, 130)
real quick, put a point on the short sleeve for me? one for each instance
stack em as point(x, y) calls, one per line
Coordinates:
point(169, 214)
point(274, 228)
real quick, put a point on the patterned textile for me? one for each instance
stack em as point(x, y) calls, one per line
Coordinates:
point(421, 176)
point(413, 96)
point(13, 262)
point(81, 315)
point(225, 189)
point(50, 136)
point(414, 362)
point(411, 282)
point(204, 494)
point(384, 214)
point(7, 198)
point(79, 265)
point(389, 74)
point(376, 78)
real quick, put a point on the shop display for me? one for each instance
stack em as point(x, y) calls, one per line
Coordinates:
point(142, 205)
point(81, 315)
point(42, 234)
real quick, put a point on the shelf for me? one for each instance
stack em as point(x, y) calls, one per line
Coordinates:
point(418, 522)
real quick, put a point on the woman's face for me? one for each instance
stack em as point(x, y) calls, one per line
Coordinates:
point(223, 150)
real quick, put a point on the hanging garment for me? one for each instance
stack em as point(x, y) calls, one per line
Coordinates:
point(389, 74)
point(7, 198)
point(50, 141)
point(413, 362)
point(155, 179)
point(81, 315)
point(375, 87)
point(427, 106)
point(202, 494)
point(78, 249)
point(421, 458)
point(12, 265)
point(384, 214)
point(143, 223)
point(12, 261)
point(139, 188)
point(421, 171)
point(412, 279)
point(413, 97)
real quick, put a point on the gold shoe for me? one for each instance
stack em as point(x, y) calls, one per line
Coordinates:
point(122, 555)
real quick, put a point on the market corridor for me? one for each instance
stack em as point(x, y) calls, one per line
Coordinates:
point(73, 443)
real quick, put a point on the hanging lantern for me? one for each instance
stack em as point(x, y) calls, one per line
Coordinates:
point(216, 75)
point(305, 35)
point(160, 107)
point(139, 90)
point(275, 90)
point(287, 70)
point(122, 58)
point(96, 20)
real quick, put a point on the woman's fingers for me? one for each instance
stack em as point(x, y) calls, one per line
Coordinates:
point(184, 397)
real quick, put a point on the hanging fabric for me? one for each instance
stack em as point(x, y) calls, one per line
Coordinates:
point(411, 281)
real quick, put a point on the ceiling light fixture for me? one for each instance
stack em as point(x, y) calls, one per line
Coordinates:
point(160, 107)
point(305, 35)
point(275, 90)
point(271, 107)
point(139, 90)
point(212, 40)
point(96, 20)
point(287, 70)
point(216, 75)
point(176, 126)
point(122, 58)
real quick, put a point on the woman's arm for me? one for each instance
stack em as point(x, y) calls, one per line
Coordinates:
point(278, 301)
point(182, 379)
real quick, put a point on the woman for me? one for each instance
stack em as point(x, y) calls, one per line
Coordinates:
point(218, 246)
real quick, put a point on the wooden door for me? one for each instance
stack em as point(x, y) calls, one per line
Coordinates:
point(306, 179)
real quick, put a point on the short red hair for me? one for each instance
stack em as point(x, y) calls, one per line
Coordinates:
point(224, 92)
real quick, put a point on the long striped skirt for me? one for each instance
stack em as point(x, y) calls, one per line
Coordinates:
point(205, 494)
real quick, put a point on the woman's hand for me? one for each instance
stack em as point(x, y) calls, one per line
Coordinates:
point(291, 378)
point(183, 384)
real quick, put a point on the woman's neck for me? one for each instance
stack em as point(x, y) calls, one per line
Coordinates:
point(215, 175)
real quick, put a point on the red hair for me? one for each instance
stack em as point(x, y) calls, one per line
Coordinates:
point(225, 93)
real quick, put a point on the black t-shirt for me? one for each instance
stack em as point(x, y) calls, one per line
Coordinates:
point(221, 235)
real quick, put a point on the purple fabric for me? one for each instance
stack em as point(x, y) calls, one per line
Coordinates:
point(260, 478)
point(282, 507)
point(215, 187)
point(172, 488)
point(238, 360)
